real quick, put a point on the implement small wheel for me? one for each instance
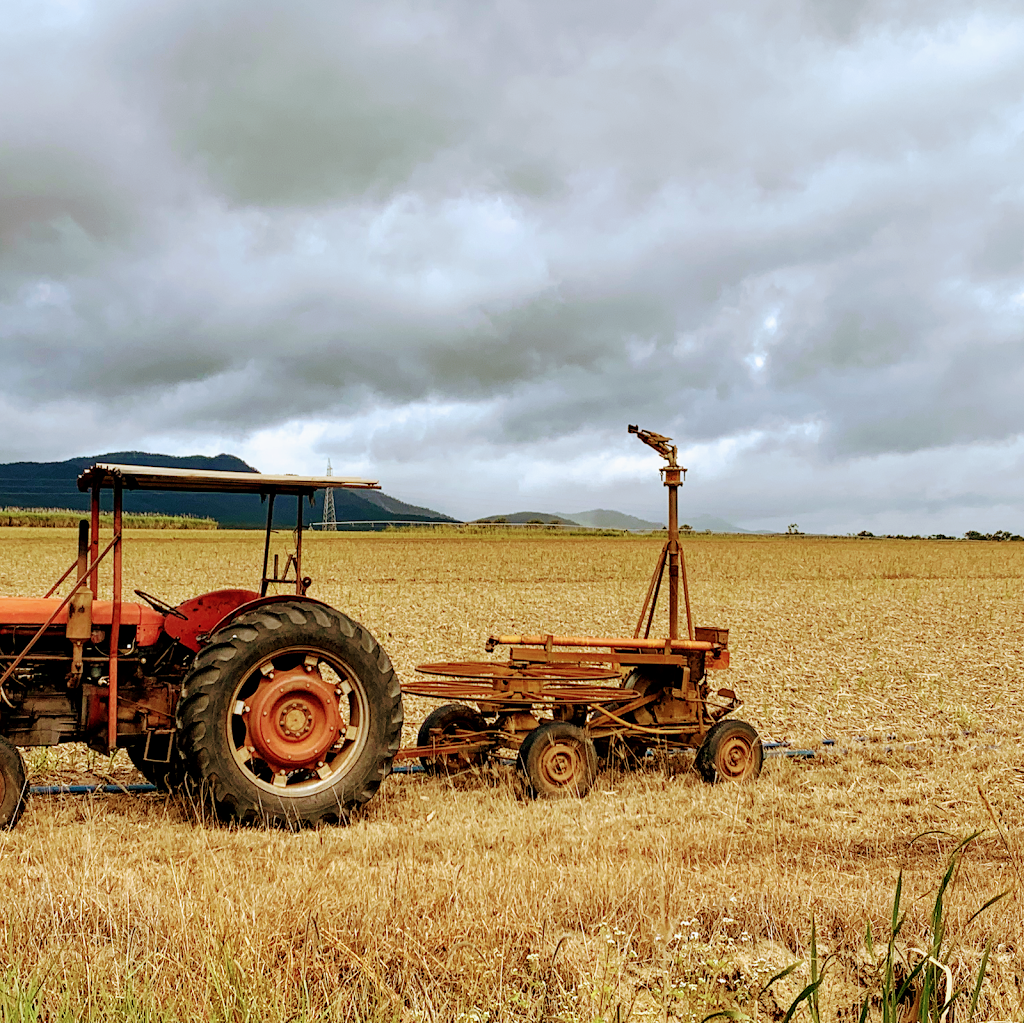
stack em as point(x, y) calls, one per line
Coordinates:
point(731, 751)
point(558, 759)
point(13, 785)
point(291, 716)
point(443, 725)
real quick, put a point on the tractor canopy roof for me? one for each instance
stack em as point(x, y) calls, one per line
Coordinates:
point(148, 477)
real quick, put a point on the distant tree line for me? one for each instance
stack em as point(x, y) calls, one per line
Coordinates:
point(971, 534)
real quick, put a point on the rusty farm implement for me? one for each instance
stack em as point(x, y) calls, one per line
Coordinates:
point(558, 703)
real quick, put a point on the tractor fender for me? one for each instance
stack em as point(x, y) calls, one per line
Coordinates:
point(251, 605)
point(209, 612)
point(202, 614)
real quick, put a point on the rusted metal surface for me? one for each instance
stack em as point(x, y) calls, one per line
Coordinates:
point(493, 670)
point(461, 746)
point(293, 561)
point(514, 694)
point(115, 621)
point(673, 475)
point(79, 627)
point(52, 617)
point(293, 719)
point(621, 643)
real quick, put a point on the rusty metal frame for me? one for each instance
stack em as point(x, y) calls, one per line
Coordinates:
point(548, 671)
point(294, 560)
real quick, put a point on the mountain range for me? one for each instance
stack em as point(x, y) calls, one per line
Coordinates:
point(53, 485)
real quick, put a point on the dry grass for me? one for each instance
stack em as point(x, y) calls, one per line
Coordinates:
point(655, 897)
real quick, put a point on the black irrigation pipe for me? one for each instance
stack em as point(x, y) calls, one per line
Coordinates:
point(83, 790)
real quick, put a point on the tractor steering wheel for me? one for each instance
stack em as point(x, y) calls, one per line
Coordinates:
point(160, 605)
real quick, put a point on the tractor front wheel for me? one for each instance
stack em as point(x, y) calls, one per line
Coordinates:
point(731, 751)
point(291, 716)
point(13, 785)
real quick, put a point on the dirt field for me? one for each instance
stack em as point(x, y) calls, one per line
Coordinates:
point(656, 897)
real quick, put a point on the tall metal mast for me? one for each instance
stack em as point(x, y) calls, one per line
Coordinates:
point(330, 518)
point(673, 475)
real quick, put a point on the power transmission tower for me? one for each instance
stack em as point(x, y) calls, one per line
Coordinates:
point(330, 518)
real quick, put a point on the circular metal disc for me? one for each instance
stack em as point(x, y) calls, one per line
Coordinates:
point(488, 670)
point(484, 692)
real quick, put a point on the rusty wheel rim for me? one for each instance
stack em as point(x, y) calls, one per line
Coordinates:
point(296, 721)
point(562, 764)
point(735, 757)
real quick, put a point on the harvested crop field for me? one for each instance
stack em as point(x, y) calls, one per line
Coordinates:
point(656, 897)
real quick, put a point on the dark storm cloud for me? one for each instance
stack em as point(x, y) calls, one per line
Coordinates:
point(732, 220)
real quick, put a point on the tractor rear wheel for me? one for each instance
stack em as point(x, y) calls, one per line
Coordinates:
point(13, 785)
point(445, 723)
point(558, 759)
point(731, 751)
point(291, 715)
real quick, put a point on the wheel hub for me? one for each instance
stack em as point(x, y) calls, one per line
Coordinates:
point(293, 719)
point(561, 763)
point(734, 758)
point(296, 719)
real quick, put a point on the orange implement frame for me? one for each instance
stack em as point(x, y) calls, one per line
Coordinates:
point(546, 691)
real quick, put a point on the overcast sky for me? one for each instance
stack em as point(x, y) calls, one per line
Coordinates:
point(458, 246)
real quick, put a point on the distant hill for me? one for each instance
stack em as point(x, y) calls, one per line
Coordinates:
point(520, 518)
point(53, 485)
point(602, 518)
point(704, 522)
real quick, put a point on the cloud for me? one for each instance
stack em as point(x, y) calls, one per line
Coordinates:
point(224, 221)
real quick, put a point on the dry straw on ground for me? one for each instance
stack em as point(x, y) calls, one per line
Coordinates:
point(656, 897)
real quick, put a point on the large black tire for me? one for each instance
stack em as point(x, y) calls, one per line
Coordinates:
point(291, 716)
point(13, 785)
point(558, 759)
point(731, 751)
point(448, 720)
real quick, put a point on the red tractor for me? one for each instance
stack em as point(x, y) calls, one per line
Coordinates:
point(283, 709)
